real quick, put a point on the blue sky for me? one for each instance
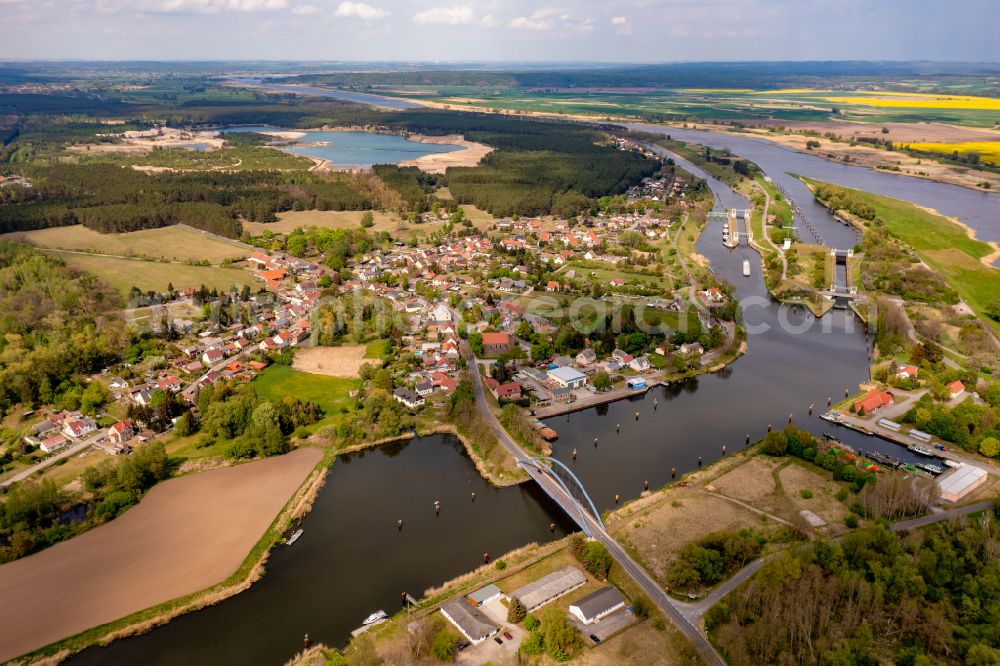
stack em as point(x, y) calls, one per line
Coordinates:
point(592, 30)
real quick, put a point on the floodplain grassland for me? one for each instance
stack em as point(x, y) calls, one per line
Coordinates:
point(173, 243)
point(123, 274)
point(943, 243)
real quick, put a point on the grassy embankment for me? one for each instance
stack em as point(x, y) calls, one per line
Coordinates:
point(943, 243)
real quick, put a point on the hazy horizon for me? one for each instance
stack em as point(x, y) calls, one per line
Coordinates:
point(621, 31)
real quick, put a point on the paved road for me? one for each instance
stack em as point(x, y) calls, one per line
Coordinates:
point(943, 515)
point(555, 490)
point(693, 612)
point(65, 453)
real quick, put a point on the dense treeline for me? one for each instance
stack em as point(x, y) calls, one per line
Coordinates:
point(38, 515)
point(108, 198)
point(55, 325)
point(926, 597)
point(413, 185)
point(544, 168)
point(839, 198)
point(255, 427)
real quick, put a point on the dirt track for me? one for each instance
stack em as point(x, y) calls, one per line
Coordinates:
point(186, 534)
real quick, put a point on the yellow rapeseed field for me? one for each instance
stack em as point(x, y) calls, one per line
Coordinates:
point(989, 151)
point(790, 91)
point(900, 100)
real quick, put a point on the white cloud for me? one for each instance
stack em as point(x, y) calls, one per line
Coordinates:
point(305, 10)
point(360, 10)
point(542, 19)
point(456, 15)
point(490, 21)
point(619, 20)
point(216, 6)
point(548, 18)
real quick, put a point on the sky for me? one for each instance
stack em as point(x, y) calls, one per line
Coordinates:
point(501, 30)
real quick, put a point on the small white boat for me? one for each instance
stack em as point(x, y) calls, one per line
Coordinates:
point(377, 616)
point(295, 537)
point(951, 463)
point(746, 268)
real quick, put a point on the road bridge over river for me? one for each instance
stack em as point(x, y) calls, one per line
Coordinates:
point(565, 489)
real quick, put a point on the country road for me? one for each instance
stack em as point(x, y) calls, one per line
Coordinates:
point(65, 453)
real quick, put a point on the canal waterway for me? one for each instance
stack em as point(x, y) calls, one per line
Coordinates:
point(354, 149)
point(352, 560)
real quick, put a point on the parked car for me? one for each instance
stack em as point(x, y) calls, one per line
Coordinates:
point(594, 638)
point(507, 635)
point(498, 640)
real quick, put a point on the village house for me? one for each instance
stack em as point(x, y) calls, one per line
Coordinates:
point(873, 401)
point(497, 343)
point(587, 357)
point(640, 363)
point(907, 372)
point(955, 389)
point(691, 349)
point(54, 443)
point(408, 397)
point(121, 432)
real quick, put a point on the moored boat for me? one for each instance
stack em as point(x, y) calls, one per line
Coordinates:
point(930, 468)
point(920, 450)
point(377, 616)
point(295, 537)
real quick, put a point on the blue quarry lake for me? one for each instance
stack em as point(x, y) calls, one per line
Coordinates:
point(354, 149)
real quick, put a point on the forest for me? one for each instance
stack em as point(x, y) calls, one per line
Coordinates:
point(109, 198)
point(929, 596)
point(56, 324)
point(538, 167)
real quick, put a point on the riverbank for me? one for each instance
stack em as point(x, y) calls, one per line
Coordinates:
point(191, 542)
point(589, 400)
point(498, 478)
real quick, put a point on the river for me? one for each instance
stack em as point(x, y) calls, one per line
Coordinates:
point(393, 103)
point(978, 209)
point(352, 560)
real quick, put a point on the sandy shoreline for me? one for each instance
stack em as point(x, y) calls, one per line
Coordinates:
point(988, 259)
point(470, 155)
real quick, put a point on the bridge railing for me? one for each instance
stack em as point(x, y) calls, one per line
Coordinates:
point(562, 475)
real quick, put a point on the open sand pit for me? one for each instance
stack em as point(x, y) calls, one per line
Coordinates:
point(331, 361)
point(187, 534)
point(469, 156)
